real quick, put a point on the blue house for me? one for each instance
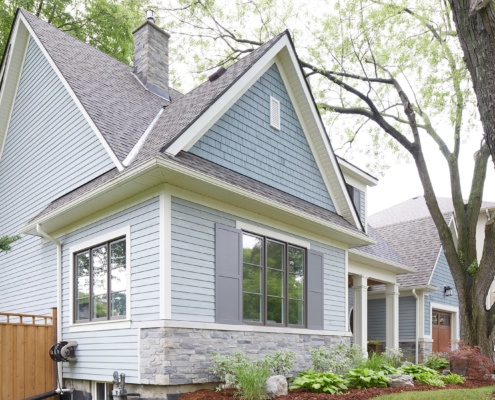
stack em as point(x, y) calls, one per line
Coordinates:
point(164, 226)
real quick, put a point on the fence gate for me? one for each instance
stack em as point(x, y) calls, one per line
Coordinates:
point(25, 365)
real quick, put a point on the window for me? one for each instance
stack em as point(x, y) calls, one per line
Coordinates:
point(101, 391)
point(273, 282)
point(101, 282)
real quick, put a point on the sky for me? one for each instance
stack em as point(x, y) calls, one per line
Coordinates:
point(401, 182)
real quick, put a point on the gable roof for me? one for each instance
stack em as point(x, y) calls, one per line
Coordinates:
point(116, 102)
point(418, 244)
point(128, 118)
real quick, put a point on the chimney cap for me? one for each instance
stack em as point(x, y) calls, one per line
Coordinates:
point(150, 15)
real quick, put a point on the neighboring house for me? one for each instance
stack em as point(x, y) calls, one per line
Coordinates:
point(429, 307)
point(166, 226)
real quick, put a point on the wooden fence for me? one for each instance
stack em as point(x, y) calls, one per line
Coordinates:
point(25, 365)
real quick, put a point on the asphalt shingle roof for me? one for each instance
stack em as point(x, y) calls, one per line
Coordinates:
point(176, 118)
point(113, 97)
point(123, 109)
point(381, 249)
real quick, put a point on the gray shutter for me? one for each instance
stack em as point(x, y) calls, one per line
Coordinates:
point(228, 275)
point(315, 289)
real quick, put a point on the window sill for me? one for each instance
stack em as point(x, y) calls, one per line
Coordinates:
point(100, 326)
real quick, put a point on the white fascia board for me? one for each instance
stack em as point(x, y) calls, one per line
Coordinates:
point(345, 207)
point(357, 173)
point(210, 116)
point(11, 73)
point(360, 256)
point(76, 100)
point(435, 266)
point(137, 147)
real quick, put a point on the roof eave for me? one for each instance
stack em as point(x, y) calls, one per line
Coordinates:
point(159, 171)
point(379, 262)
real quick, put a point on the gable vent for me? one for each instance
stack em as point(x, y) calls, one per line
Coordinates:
point(274, 113)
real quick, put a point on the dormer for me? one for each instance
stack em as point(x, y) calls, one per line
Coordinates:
point(357, 182)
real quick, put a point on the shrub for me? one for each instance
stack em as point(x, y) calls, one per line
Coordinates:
point(225, 367)
point(393, 357)
point(366, 378)
point(281, 362)
point(252, 380)
point(468, 361)
point(319, 382)
point(436, 361)
point(336, 359)
point(452, 379)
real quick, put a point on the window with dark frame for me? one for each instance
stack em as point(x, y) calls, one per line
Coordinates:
point(273, 282)
point(101, 282)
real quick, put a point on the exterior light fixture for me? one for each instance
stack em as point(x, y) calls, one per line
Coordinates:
point(447, 291)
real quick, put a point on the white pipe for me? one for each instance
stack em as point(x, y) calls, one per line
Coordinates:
point(416, 351)
point(59, 288)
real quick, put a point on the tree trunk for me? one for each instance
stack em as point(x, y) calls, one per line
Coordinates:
point(476, 31)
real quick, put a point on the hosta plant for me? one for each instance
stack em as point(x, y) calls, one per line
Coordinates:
point(415, 369)
point(427, 378)
point(365, 378)
point(319, 382)
point(452, 379)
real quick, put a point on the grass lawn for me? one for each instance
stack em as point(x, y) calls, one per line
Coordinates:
point(483, 393)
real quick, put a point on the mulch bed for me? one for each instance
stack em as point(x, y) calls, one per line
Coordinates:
point(353, 394)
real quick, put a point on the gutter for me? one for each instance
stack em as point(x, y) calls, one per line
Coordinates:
point(416, 339)
point(59, 286)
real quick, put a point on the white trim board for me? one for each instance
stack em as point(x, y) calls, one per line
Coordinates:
point(454, 326)
point(100, 325)
point(237, 328)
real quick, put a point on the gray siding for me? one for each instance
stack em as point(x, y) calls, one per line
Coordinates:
point(193, 266)
point(100, 353)
point(377, 319)
point(49, 151)
point(407, 318)
point(441, 277)
point(243, 141)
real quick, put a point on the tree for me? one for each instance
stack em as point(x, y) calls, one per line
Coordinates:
point(476, 30)
point(104, 24)
point(6, 242)
point(393, 72)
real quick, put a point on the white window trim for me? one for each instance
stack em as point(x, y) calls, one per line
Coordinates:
point(273, 123)
point(245, 226)
point(101, 325)
point(454, 326)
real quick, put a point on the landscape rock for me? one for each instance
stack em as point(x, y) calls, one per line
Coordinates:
point(398, 380)
point(276, 386)
point(445, 372)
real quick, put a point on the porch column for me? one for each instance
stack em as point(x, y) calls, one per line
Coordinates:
point(360, 286)
point(392, 316)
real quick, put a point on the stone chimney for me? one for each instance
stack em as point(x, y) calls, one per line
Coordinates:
point(151, 56)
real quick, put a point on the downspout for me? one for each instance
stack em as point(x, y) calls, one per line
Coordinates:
point(59, 289)
point(416, 352)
